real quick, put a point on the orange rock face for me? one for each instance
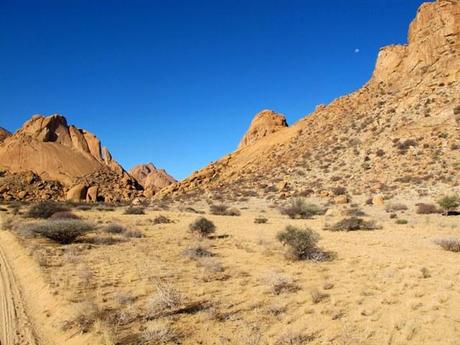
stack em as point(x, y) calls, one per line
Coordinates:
point(264, 123)
point(151, 178)
point(4, 134)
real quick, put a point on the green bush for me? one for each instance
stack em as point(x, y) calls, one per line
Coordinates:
point(63, 231)
point(202, 227)
point(298, 208)
point(45, 209)
point(301, 243)
point(449, 203)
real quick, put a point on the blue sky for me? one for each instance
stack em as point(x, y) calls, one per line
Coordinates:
point(178, 82)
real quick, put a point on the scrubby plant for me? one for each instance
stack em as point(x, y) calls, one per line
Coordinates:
point(135, 210)
point(196, 252)
point(301, 243)
point(63, 231)
point(352, 224)
point(115, 228)
point(64, 215)
point(279, 283)
point(402, 221)
point(202, 227)
point(426, 209)
point(224, 210)
point(298, 208)
point(45, 209)
point(162, 220)
point(449, 203)
point(450, 244)
point(395, 207)
point(260, 220)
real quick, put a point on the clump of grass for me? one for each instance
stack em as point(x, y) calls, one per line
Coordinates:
point(64, 215)
point(202, 227)
point(115, 228)
point(352, 224)
point(45, 209)
point(197, 252)
point(294, 338)
point(159, 332)
point(317, 296)
point(298, 208)
point(224, 210)
point(402, 221)
point(279, 283)
point(162, 220)
point(260, 220)
point(166, 298)
point(138, 210)
point(395, 207)
point(450, 244)
point(449, 203)
point(423, 208)
point(63, 231)
point(301, 243)
point(134, 234)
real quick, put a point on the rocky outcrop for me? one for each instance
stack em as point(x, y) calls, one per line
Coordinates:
point(55, 151)
point(4, 134)
point(151, 178)
point(400, 131)
point(264, 123)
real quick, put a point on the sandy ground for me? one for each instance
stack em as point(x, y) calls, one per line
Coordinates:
point(388, 286)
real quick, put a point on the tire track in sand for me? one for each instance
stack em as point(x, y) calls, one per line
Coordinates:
point(15, 328)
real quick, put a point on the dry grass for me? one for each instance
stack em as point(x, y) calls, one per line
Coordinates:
point(450, 244)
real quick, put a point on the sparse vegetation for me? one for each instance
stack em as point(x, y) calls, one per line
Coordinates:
point(301, 243)
point(426, 209)
point(64, 215)
point(162, 220)
point(45, 209)
point(395, 207)
point(197, 251)
point(260, 220)
point(298, 208)
point(135, 210)
point(402, 221)
point(115, 228)
point(353, 224)
point(63, 231)
point(279, 283)
point(224, 210)
point(449, 203)
point(450, 244)
point(202, 227)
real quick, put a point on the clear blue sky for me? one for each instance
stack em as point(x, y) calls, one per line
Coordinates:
point(177, 82)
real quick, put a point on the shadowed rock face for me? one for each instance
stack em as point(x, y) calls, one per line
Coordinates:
point(400, 131)
point(264, 123)
point(151, 178)
point(4, 134)
point(55, 151)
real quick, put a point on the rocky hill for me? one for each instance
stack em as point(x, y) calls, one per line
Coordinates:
point(151, 178)
point(47, 158)
point(399, 132)
point(4, 134)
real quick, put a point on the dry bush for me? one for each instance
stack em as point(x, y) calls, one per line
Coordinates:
point(134, 234)
point(135, 210)
point(63, 231)
point(260, 220)
point(298, 208)
point(166, 298)
point(45, 209)
point(294, 338)
point(115, 228)
point(352, 224)
point(197, 251)
point(202, 227)
point(158, 333)
point(402, 221)
point(162, 220)
point(301, 244)
point(339, 191)
point(224, 210)
point(450, 244)
point(64, 215)
point(317, 296)
point(211, 269)
point(279, 283)
point(395, 207)
point(426, 209)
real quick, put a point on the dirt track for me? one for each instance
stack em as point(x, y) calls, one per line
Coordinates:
point(15, 328)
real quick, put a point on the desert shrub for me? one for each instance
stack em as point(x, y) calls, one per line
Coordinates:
point(84, 207)
point(63, 231)
point(167, 297)
point(395, 207)
point(352, 224)
point(162, 220)
point(45, 209)
point(135, 210)
point(197, 252)
point(260, 220)
point(202, 227)
point(298, 208)
point(426, 209)
point(339, 190)
point(294, 338)
point(134, 234)
point(317, 296)
point(115, 228)
point(450, 244)
point(159, 332)
point(449, 203)
point(223, 210)
point(301, 243)
point(402, 221)
point(64, 215)
point(279, 283)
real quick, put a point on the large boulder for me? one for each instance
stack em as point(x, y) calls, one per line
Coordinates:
point(77, 193)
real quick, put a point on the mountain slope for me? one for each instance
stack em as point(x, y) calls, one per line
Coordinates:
point(151, 178)
point(400, 131)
